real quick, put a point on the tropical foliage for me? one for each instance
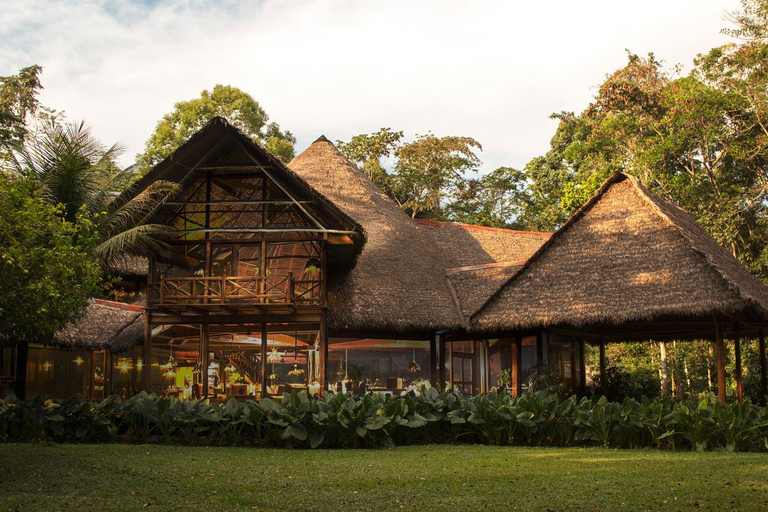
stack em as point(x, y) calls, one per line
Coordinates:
point(46, 276)
point(342, 420)
point(72, 168)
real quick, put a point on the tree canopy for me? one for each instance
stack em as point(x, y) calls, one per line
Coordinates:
point(46, 275)
point(18, 99)
point(187, 117)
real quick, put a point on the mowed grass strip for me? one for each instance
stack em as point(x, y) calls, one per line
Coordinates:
point(435, 477)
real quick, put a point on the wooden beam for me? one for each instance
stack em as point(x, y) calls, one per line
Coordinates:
point(443, 362)
point(720, 346)
point(264, 379)
point(737, 355)
point(761, 354)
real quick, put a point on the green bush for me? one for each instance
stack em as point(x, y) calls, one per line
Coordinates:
point(343, 420)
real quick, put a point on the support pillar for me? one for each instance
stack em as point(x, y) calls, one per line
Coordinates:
point(539, 347)
point(442, 363)
point(322, 367)
point(433, 359)
point(518, 366)
point(205, 330)
point(763, 376)
point(264, 379)
point(146, 354)
point(720, 347)
point(602, 361)
point(737, 356)
point(582, 369)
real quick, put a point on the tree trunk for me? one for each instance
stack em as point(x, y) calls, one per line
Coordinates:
point(663, 370)
point(20, 385)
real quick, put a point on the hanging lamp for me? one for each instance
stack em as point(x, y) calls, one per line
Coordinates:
point(296, 370)
point(414, 366)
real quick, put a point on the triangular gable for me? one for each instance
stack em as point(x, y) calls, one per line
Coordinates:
point(626, 255)
point(245, 175)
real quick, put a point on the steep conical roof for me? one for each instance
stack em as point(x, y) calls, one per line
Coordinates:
point(398, 281)
point(627, 256)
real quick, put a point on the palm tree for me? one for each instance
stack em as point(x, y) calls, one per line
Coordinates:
point(74, 169)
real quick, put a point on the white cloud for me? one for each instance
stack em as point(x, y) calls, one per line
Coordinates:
point(493, 70)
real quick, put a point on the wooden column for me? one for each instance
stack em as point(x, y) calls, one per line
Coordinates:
point(20, 382)
point(602, 360)
point(264, 379)
point(582, 369)
point(539, 347)
point(761, 354)
point(737, 356)
point(720, 347)
point(322, 366)
point(107, 373)
point(518, 366)
point(442, 363)
point(146, 348)
point(205, 330)
point(433, 359)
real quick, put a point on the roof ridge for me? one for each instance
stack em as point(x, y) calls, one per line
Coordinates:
point(499, 264)
point(438, 223)
point(119, 305)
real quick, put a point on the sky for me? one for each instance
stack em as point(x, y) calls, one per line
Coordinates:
point(491, 70)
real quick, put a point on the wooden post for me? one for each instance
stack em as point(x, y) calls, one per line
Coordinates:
point(761, 353)
point(602, 360)
point(205, 330)
point(518, 366)
point(264, 379)
point(442, 362)
point(582, 369)
point(720, 346)
point(433, 358)
point(737, 356)
point(107, 373)
point(322, 366)
point(20, 383)
point(146, 354)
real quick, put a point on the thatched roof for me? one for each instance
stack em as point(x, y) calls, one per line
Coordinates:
point(626, 256)
point(106, 324)
point(398, 281)
point(466, 245)
point(129, 266)
point(473, 285)
point(220, 143)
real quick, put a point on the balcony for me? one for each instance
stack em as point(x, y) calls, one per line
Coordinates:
point(236, 292)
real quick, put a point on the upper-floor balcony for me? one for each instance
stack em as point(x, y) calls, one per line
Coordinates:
point(258, 292)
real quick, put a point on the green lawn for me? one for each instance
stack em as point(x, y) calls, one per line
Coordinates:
point(130, 477)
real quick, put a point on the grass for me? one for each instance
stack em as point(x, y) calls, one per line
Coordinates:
point(437, 477)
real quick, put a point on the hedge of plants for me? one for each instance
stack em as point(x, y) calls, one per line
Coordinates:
point(343, 420)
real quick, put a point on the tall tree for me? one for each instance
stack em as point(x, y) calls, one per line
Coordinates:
point(429, 170)
point(368, 150)
point(18, 99)
point(72, 168)
point(46, 276)
point(497, 199)
point(187, 117)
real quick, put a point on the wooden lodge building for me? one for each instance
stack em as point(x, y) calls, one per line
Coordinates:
point(308, 277)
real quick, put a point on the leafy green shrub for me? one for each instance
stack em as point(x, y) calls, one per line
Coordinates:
point(343, 420)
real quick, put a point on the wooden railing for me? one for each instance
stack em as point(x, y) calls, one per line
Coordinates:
point(274, 289)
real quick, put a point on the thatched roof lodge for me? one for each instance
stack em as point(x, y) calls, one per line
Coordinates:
point(280, 271)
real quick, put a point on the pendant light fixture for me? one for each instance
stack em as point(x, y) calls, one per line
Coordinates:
point(230, 368)
point(414, 366)
point(296, 370)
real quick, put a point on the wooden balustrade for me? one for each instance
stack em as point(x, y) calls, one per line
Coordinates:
point(272, 289)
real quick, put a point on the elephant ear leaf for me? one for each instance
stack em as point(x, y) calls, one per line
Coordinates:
point(297, 431)
point(315, 439)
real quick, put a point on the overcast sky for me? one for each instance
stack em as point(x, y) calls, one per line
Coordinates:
point(492, 70)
